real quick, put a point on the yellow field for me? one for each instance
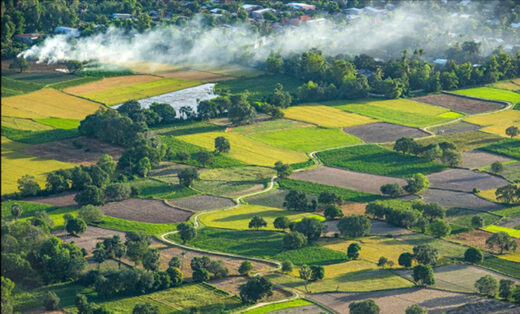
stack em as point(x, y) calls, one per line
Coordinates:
point(497, 123)
point(514, 257)
point(111, 82)
point(411, 106)
point(512, 232)
point(336, 270)
point(246, 149)
point(326, 116)
point(16, 164)
point(48, 103)
point(23, 124)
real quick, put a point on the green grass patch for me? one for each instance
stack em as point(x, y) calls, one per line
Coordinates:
point(490, 93)
point(29, 209)
point(279, 306)
point(462, 217)
point(37, 137)
point(448, 251)
point(267, 126)
point(188, 127)
point(23, 124)
point(312, 255)
point(377, 160)
point(246, 173)
point(42, 78)
point(495, 229)
point(156, 189)
point(465, 141)
point(502, 266)
point(11, 87)
point(60, 123)
point(507, 147)
point(75, 82)
point(25, 300)
point(509, 212)
point(128, 225)
point(226, 188)
point(301, 165)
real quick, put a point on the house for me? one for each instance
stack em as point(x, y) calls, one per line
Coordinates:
point(296, 20)
point(69, 31)
point(28, 38)
point(121, 16)
point(301, 6)
point(251, 7)
point(258, 14)
point(440, 61)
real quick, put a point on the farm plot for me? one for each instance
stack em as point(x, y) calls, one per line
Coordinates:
point(383, 132)
point(459, 199)
point(65, 199)
point(83, 150)
point(511, 171)
point(346, 179)
point(194, 75)
point(271, 199)
point(497, 123)
point(247, 173)
point(110, 83)
point(478, 158)
point(89, 239)
point(506, 147)
point(145, 210)
point(167, 168)
point(160, 190)
point(460, 104)
point(261, 87)
point(202, 202)
point(267, 126)
point(495, 229)
point(510, 222)
point(453, 128)
point(509, 85)
point(232, 285)
point(476, 238)
point(465, 141)
point(462, 217)
point(464, 180)
point(48, 103)
point(325, 116)
point(228, 188)
point(24, 124)
point(490, 93)
point(289, 307)
point(446, 249)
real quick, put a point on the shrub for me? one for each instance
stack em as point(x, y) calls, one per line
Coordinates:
point(332, 211)
point(287, 266)
point(505, 289)
point(440, 228)
point(405, 259)
point(473, 255)
point(117, 192)
point(477, 222)
point(391, 189)
point(245, 268)
point(487, 285)
point(417, 183)
point(353, 251)
point(423, 275)
point(51, 301)
point(91, 214)
point(497, 167)
point(364, 307)
point(415, 309)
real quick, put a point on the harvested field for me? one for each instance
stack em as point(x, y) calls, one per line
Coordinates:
point(145, 210)
point(476, 238)
point(89, 239)
point(325, 116)
point(346, 179)
point(24, 124)
point(498, 122)
point(202, 202)
point(228, 188)
point(397, 300)
point(232, 284)
point(453, 128)
point(478, 158)
point(194, 75)
point(464, 180)
point(65, 150)
point(109, 83)
point(384, 132)
point(509, 85)
point(65, 199)
point(460, 104)
point(459, 199)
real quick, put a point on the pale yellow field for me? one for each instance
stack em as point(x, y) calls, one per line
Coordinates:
point(326, 116)
point(246, 149)
point(497, 123)
point(336, 270)
point(23, 124)
point(48, 103)
point(111, 82)
point(16, 164)
point(514, 257)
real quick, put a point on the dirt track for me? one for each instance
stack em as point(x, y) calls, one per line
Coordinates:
point(145, 210)
point(464, 180)
point(383, 132)
point(460, 104)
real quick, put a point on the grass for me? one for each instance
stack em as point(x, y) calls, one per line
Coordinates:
point(506, 147)
point(48, 103)
point(279, 306)
point(226, 188)
point(23, 124)
point(37, 137)
point(188, 127)
point(325, 116)
point(512, 232)
point(74, 82)
point(508, 84)
point(306, 139)
point(509, 212)
point(119, 95)
point(502, 266)
point(246, 173)
point(402, 111)
point(465, 141)
point(513, 257)
point(60, 123)
point(128, 225)
point(156, 189)
point(490, 93)
point(316, 188)
point(43, 78)
point(510, 172)
point(31, 208)
point(110, 83)
point(462, 217)
point(446, 249)
point(260, 87)
point(267, 126)
point(245, 149)
point(497, 123)
point(377, 160)
point(312, 255)
point(11, 87)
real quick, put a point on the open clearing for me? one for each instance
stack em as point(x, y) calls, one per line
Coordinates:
point(384, 132)
point(476, 238)
point(453, 128)
point(346, 179)
point(325, 116)
point(65, 199)
point(110, 83)
point(464, 180)
point(202, 202)
point(48, 103)
point(490, 93)
point(478, 158)
point(65, 150)
point(145, 210)
point(460, 104)
point(497, 123)
point(89, 239)
point(459, 199)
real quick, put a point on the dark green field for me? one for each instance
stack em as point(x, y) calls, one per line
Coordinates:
point(502, 266)
point(37, 137)
point(260, 87)
point(149, 188)
point(507, 147)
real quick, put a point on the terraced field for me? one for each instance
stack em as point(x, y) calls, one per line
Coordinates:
point(325, 116)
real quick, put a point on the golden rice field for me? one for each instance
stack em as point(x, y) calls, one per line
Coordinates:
point(335, 270)
point(495, 229)
point(23, 124)
point(325, 116)
point(111, 82)
point(16, 164)
point(497, 123)
point(245, 149)
point(48, 103)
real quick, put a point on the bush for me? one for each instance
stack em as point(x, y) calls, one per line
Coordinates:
point(91, 195)
point(497, 167)
point(391, 189)
point(487, 285)
point(505, 289)
point(423, 275)
point(287, 266)
point(332, 211)
point(294, 240)
point(405, 259)
point(117, 192)
point(440, 228)
point(245, 268)
point(473, 255)
point(364, 307)
point(415, 309)
point(145, 308)
point(51, 301)
point(91, 214)
point(353, 251)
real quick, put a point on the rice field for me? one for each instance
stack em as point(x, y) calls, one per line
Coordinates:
point(515, 233)
point(110, 83)
point(23, 124)
point(325, 116)
point(48, 103)
point(497, 123)
point(268, 126)
point(245, 149)
point(490, 93)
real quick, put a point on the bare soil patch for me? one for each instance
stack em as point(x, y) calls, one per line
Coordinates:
point(478, 158)
point(89, 239)
point(65, 199)
point(202, 202)
point(476, 238)
point(346, 179)
point(457, 127)
point(383, 132)
point(146, 210)
point(459, 199)
point(89, 153)
point(460, 104)
point(464, 180)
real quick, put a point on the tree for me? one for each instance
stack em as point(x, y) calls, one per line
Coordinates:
point(145, 308)
point(28, 186)
point(354, 226)
point(382, 261)
point(257, 222)
point(241, 112)
point(218, 269)
point(516, 294)
point(108, 164)
point(73, 66)
point(512, 131)
point(7, 288)
point(295, 200)
point(406, 145)
point(187, 232)
point(487, 285)
point(245, 267)
point(317, 273)
point(255, 289)
point(451, 157)
point(505, 289)
point(136, 245)
point(187, 176)
point(117, 192)
point(287, 266)
point(280, 98)
point(423, 275)
point(417, 183)
point(20, 63)
point(75, 226)
point(440, 228)
point(294, 240)
point(175, 275)
point(473, 255)
point(91, 195)
point(391, 189)
point(497, 167)
point(416, 309)
point(503, 241)
point(305, 274)
point(477, 222)
point(144, 166)
point(508, 194)
point(405, 259)
point(16, 210)
point(222, 144)
point(151, 260)
point(201, 275)
point(281, 222)
point(332, 211)
point(51, 301)
point(430, 211)
point(327, 198)
point(310, 227)
point(80, 178)
point(91, 214)
point(165, 111)
point(100, 253)
point(274, 62)
point(432, 152)
point(353, 250)
point(364, 307)
point(425, 254)
point(204, 158)
point(282, 170)
point(57, 181)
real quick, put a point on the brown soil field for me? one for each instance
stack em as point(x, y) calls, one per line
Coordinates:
point(464, 180)
point(383, 132)
point(346, 179)
point(477, 159)
point(476, 238)
point(146, 210)
point(460, 104)
point(89, 239)
point(459, 199)
point(202, 202)
point(378, 227)
point(194, 75)
point(110, 82)
point(457, 127)
point(65, 150)
point(65, 199)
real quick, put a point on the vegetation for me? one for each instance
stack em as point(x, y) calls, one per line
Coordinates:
point(325, 116)
point(507, 147)
point(490, 93)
